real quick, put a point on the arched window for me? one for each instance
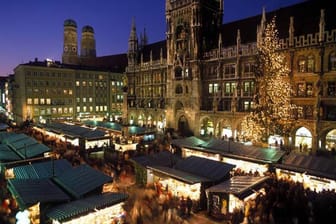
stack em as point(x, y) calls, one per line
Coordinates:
point(332, 61)
point(310, 64)
point(178, 89)
point(302, 65)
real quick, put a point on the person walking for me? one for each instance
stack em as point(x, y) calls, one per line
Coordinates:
point(189, 206)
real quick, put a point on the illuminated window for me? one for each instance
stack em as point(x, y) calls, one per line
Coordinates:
point(105, 108)
point(230, 88)
point(302, 65)
point(91, 108)
point(29, 101)
point(70, 110)
point(54, 110)
point(70, 92)
point(84, 99)
point(77, 83)
point(60, 110)
point(36, 101)
point(48, 111)
point(65, 91)
point(97, 108)
point(78, 109)
point(90, 99)
point(42, 101)
point(310, 64)
point(248, 88)
point(84, 83)
point(48, 101)
point(210, 88)
point(216, 88)
point(65, 110)
point(101, 108)
point(84, 108)
point(301, 89)
point(78, 100)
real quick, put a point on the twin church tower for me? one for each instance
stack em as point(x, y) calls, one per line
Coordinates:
point(70, 44)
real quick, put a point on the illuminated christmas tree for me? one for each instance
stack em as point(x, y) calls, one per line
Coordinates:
point(272, 106)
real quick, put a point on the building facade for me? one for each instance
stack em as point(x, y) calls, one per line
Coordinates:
point(200, 80)
point(53, 91)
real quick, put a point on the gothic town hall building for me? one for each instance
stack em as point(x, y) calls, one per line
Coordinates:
point(200, 79)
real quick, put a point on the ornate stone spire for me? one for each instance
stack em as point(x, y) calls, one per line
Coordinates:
point(291, 31)
point(322, 26)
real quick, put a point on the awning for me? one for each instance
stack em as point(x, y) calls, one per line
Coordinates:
point(240, 186)
point(84, 206)
point(312, 165)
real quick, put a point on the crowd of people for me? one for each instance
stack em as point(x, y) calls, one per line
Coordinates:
point(287, 202)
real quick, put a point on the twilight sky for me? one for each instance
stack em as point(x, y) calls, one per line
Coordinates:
point(34, 28)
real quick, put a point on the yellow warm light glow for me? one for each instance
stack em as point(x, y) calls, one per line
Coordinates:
point(314, 183)
point(102, 216)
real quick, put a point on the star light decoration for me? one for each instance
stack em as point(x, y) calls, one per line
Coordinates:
point(272, 112)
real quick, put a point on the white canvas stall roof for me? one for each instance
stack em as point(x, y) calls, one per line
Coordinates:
point(240, 186)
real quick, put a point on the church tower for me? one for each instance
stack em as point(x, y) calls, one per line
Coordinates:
point(88, 43)
point(70, 46)
point(132, 52)
point(192, 29)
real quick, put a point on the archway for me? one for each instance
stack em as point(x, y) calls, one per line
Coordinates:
point(330, 144)
point(207, 127)
point(303, 140)
point(183, 127)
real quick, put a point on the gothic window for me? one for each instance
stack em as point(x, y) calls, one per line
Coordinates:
point(248, 88)
point(178, 72)
point(310, 64)
point(302, 63)
point(213, 88)
point(210, 88)
point(309, 89)
point(229, 88)
point(248, 69)
point(332, 61)
point(229, 70)
point(301, 89)
point(179, 89)
point(247, 105)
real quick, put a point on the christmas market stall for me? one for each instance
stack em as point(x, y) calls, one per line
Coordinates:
point(55, 191)
point(248, 159)
point(314, 172)
point(188, 177)
point(231, 195)
point(76, 134)
point(16, 148)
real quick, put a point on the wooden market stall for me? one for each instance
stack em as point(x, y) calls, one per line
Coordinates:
point(224, 198)
point(314, 172)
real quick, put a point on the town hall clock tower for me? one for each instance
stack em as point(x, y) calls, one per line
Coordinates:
point(192, 29)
